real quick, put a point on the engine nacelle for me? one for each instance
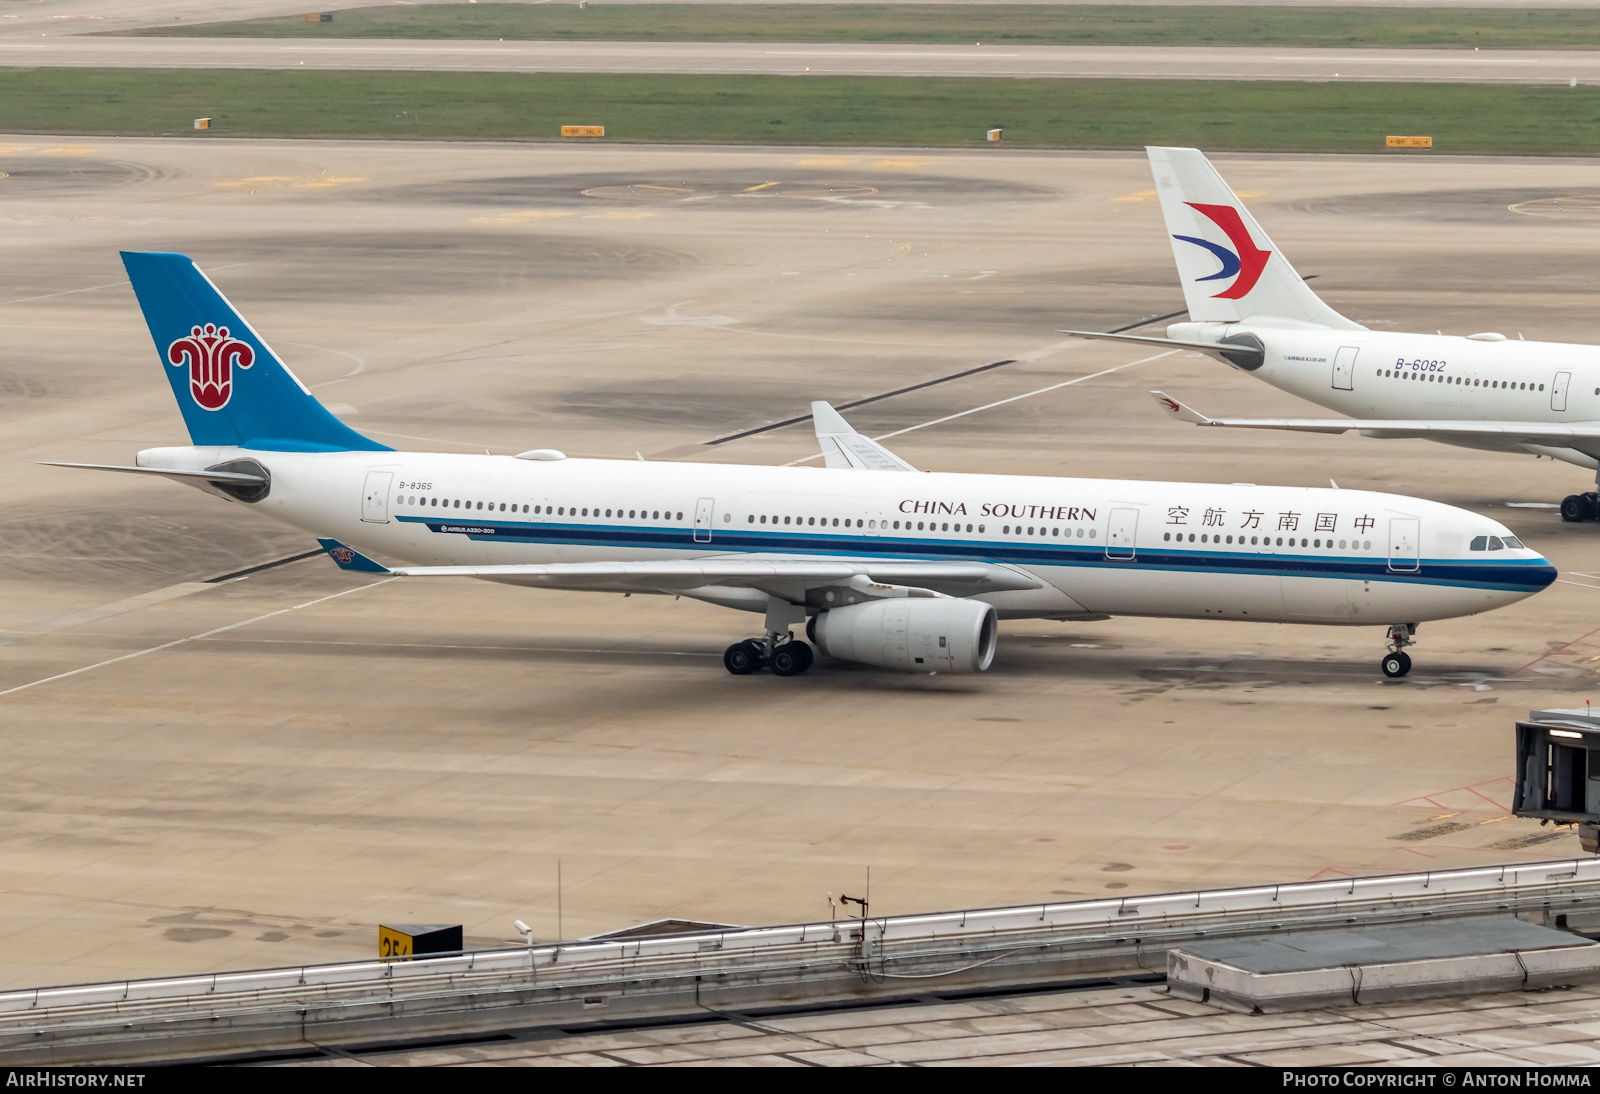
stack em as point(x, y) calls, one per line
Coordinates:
point(912, 634)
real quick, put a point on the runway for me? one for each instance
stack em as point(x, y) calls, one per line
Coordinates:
point(257, 771)
point(72, 17)
point(798, 59)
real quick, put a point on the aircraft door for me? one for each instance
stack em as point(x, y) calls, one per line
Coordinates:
point(703, 510)
point(1120, 532)
point(375, 497)
point(1344, 367)
point(1405, 545)
point(1558, 391)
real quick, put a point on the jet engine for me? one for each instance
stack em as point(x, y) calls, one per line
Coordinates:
point(912, 634)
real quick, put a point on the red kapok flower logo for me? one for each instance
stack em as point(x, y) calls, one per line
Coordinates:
point(211, 356)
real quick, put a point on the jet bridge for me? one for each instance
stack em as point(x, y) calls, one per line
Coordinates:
point(1558, 766)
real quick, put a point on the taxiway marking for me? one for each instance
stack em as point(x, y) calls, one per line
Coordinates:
point(190, 638)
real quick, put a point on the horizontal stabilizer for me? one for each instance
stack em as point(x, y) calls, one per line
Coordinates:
point(959, 578)
point(1248, 357)
point(843, 447)
point(241, 478)
point(348, 558)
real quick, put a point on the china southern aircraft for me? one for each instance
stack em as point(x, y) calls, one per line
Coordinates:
point(1249, 308)
point(894, 568)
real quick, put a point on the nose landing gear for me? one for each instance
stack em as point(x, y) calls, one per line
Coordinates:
point(785, 656)
point(1397, 662)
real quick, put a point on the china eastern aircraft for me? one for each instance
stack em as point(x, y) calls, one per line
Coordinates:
point(1248, 308)
point(892, 567)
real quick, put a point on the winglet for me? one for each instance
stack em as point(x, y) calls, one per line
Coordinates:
point(1179, 411)
point(348, 558)
point(842, 447)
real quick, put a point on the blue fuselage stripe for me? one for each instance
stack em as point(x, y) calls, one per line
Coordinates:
point(1511, 575)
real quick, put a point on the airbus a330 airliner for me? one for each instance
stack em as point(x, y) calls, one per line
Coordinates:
point(1249, 308)
point(892, 567)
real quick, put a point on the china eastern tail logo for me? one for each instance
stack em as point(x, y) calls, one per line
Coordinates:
point(1246, 260)
point(210, 356)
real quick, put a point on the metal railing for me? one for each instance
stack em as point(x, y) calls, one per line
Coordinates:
point(906, 938)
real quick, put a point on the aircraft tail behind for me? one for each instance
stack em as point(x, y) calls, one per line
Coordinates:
point(1209, 227)
point(230, 386)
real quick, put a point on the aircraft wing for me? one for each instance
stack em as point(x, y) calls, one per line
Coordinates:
point(843, 447)
point(955, 578)
point(1580, 435)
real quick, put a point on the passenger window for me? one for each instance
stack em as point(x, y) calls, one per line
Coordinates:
point(763, 518)
point(457, 504)
point(1005, 529)
point(1479, 543)
point(1495, 544)
point(1513, 542)
point(752, 518)
point(836, 522)
point(678, 517)
point(654, 515)
point(980, 528)
point(1167, 536)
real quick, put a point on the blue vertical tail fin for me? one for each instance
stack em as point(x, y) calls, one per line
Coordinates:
point(230, 386)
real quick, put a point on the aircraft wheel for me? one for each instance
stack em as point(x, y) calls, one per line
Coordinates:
point(1576, 508)
point(791, 659)
point(1396, 664)
point(742, 658)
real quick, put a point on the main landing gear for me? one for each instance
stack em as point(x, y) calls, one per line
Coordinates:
point(788, 657)
point(1576, 508)
point(1397, 662)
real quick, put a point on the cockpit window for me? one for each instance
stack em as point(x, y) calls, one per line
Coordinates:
point(1495, 544)
point(1513, 542)
point(1479, 543)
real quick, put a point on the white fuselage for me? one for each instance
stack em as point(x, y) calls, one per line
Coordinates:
point(1098, 547)
point(1378, 374)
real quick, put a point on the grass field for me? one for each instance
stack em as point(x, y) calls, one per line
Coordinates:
point(1488, 28)
point(881, 111)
